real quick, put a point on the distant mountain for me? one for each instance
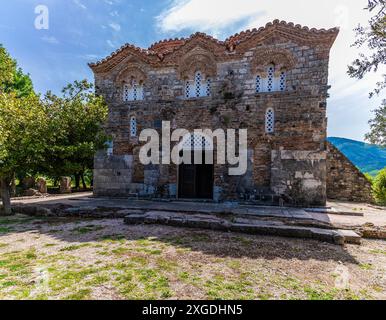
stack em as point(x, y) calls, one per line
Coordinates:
point(368, 158)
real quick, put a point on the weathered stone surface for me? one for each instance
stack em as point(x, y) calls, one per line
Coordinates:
point(344, 181)
point(41, 185)
point(65, 185)
point(339, 237)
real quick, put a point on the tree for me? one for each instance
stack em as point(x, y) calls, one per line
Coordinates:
point(374, 37)
point(76, 123)
point(7, 67)
point(12, 78)
point(377, 134)
point(23, 129)
point(380, 187)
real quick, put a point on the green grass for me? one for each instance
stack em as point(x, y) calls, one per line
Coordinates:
point(154, 268)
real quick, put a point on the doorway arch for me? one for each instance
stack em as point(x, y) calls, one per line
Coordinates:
point(196, 181)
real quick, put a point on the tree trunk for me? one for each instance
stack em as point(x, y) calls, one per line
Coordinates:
point(5, 197)
point(13, 186)
point(77, 181)
point(83, 181)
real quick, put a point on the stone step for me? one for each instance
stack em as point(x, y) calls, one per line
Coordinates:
point(273, 228)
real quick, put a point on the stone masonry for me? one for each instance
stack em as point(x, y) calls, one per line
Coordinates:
point(344, 180)
point(287, 152)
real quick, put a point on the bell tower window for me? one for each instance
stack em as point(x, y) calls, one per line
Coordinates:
point(270, 121)
point(133, 91)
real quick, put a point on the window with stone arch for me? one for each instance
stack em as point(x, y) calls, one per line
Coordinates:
point(200, 86)
point(133, 126)
point(133, 91)
point(270, 121)
point(271, 80)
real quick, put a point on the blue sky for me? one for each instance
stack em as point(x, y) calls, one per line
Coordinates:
point(82, 31)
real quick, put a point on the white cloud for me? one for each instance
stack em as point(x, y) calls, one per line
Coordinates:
point(223, 18)
point(50, 39)
point(206, 15)
point(115, 26)
point(111, 44)
point(79, 4)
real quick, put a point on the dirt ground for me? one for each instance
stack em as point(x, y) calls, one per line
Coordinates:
point(106, 259)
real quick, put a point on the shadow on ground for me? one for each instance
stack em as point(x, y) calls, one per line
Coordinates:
point(219, 244)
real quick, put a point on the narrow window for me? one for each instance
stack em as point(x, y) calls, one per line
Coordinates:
point(133, 127)
point(126, 92)
point(187, 89)
point(135, 91)
point(258, 84)
point(282, 81)
point(208, 87)
point(271, 75)
point(110, 148)
point(198, 84)
point(270, 121)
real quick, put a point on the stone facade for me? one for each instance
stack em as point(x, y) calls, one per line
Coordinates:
point(344, 181)
point(287, 157)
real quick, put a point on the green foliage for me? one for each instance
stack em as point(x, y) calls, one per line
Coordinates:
point(12, 78)
point(369, 177)
point(23, 133)
point(76, 129)
point(377, 134)
point(380, 187)
point(374, 38)
point(55, 136)
point(7, 67)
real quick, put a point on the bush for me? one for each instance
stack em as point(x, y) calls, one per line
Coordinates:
point(380, 187)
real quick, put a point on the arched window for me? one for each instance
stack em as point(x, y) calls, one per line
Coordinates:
point(208, 87)
point(258, 84)
point(196, 142)
point(270, 121)
point(133, 127)
point(133, 91)
point(110, 148)
point(198, 87)
point(271, 82)
point(271, 78)
point(282, 81)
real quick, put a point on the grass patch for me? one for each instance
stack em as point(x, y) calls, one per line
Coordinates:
point(366, 266)
point(378, 251)
point(74, 247)
point(5, 229)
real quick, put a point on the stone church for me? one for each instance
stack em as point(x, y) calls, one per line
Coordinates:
point(272, 81)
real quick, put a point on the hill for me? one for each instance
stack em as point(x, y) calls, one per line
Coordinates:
point(368, 158)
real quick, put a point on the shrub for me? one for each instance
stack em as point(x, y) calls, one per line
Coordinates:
point(380, 187)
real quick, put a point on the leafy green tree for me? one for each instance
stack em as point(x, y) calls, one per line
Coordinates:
point(374, 38)
point(377, 135)
point(12, 78)
point(7, 67)
point(23, 131)
point(76, 123)
point(380, 187)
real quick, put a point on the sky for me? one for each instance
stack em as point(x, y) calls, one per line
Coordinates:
point(82, 31)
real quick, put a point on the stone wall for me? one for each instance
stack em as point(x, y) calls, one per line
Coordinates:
point(286, 157)
point(345, 181)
